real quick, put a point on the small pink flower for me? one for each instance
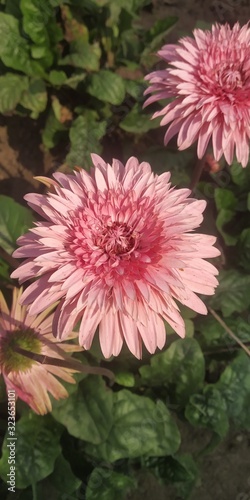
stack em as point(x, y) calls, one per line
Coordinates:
point(209, 81)
point(116, 249)
point(31, 380)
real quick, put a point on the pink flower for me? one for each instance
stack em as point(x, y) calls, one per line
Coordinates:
point(31, 380)
point(116, 249)
point(209, 81)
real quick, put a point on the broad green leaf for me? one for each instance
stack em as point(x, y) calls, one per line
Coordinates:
point(126, 379)
point(35, 97)
point(179, 469)
point(106, 484)
point(88, 413)
point(107, 86)
point(83, 55)
point(15, 220)
point(52, 131)
point(63, 478)
point(138, 122)
point(180, 368)
point(224, 198)
point(85, 135)
point(74, 80)
point(240, 176)
point(140, 427)
point(213, 334)
point(36, 449)
point(226, 203)
point(208, 410)
point(244, 250)
point(232, 294)
point(36, 14)
point(14, 49)
point(57, 77)
point(12, 88)
point(154, 39)
point(224, 217)
point(234, 389)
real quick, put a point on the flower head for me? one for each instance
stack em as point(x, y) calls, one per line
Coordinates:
point(209, 81)
point(116, 249)
point(31, 380)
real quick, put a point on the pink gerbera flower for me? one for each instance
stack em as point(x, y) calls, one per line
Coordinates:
point(31, 380)
point(209, 79)
point(116, 249)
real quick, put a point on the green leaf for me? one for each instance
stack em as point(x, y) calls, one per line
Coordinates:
point(106, 484)
point(85, 135)
point(83, 55)
point(4, 270)
point(180, 469)
point(138, 122)
point(57, 78)
point(36, 449)
point(180, 368)
point(35, 19)
point(126, 379)
point(154, 39)
point(107, 86)
point(213, 334)
point(74, 80)
point(35, 97)
point(240, 176)
point(208, 410)
point(140, 427)
point(14, 50)
point(244, 249)
point(63, 478)
point(12, 88)
point(15, 220)
point(234, 388)
point(224, 198)
point(232, 294)
point(222, 219)
point(88, 413)
point(52, 131)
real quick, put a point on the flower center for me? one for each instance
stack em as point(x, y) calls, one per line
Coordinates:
point(229, 77)
point(10, 359)
point(116, 239)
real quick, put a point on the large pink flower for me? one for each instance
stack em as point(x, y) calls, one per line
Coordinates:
point(117, 248)
point(209, 79)
point(31, 380)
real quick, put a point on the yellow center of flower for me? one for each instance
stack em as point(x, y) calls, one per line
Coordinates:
point(10, 358)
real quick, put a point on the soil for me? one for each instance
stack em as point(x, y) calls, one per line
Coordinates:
point(225, 473)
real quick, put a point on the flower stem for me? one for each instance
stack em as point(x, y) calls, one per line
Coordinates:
point(198, 169)
point(229, 331)
point(72, 364)
point(11, 261)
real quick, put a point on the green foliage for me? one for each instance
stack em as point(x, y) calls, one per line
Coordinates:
point(139, 427)
point(180, 369)
point(106, 484)
point(14, 221)
point(63, 478)
point(85, 135)
point(87, 414)
point(234, 388)
point(208, 410)
point(36, 449)
point(232, 293)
